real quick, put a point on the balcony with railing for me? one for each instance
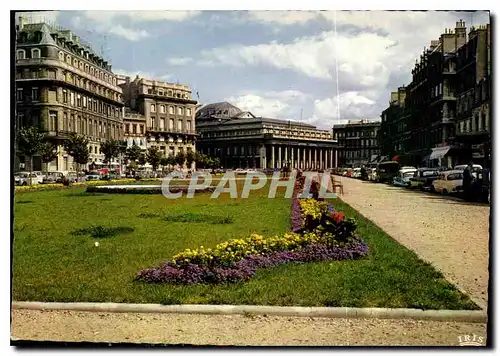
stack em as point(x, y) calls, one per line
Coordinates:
point(66, 66)
point(171, 130)
point(45, 75)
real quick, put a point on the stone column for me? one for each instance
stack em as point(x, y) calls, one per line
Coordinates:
point(292, 158)
point(310, 158)
point(298, 158)
point(315, 159)
point(286, 154)
point(304, 158)
point(336, 158)
point(280, 163)
point(262, 156)
point(272, 157)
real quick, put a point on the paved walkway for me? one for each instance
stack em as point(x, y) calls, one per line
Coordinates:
point(233, 329)
point(451, 234)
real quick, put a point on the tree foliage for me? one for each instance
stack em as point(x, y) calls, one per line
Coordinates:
point(48, 153)
point(180, 158)
point(133, 153)
point(153, 157)
point(77, 146)
point(111, 149)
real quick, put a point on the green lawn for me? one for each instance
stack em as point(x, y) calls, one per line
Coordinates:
point(53, 264)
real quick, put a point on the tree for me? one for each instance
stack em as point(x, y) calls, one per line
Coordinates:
point(153, 157)
point(180, 158)
point(77, 146)
point(133, 153)
point(215, 162)
point(190, 158)
point(29, 141)
point(110, 149)
point(141, 159)
point(48, 152)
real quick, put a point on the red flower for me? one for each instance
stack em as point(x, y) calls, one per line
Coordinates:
point(338, 217)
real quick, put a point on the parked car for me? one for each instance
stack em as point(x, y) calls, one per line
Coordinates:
point(356, 173)
point(449, 182)
point(53, 177)
point(372, 174)
point(93, 176)
point(23, 178)
point(476, 168)
point(386, 171)
point(423, 178)
point(403, 177)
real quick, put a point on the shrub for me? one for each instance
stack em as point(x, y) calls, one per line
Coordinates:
point(100, 232)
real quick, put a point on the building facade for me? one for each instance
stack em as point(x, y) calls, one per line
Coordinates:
point(446, 111)
point(162, 113)
point(241, 140)
point(473, 115)
point(392, 127)
point(62, 86)
point(358, 142)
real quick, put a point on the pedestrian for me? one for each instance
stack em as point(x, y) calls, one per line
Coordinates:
point(467, 181)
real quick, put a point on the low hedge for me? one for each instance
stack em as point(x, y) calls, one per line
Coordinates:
point(144, 190)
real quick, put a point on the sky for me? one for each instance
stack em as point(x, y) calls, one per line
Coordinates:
point(318, 67)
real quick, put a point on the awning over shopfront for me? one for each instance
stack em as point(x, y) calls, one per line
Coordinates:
point(373, 159)
point(439, 152)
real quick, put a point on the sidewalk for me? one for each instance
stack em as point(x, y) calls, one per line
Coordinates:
point(233, 329)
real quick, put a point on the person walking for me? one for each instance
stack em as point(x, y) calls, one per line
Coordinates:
point(467, 181)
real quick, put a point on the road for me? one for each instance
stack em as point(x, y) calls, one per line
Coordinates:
point(234, 329)
point(448, 232)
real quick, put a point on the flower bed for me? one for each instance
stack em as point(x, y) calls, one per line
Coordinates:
point(140, 189)
point(319, 233)
point(22, 188)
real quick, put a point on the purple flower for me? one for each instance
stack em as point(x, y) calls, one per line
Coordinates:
point(247, 267)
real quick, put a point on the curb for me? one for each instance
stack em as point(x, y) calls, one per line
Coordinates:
point(471, 316)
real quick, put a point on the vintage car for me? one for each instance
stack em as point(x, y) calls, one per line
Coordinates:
point(386, 171)
point(403, 177)
point(448, 182)
point(423, 178)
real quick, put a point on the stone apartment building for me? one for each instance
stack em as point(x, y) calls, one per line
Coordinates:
point(242, 140)
point(62, 86)
point(158, 114)
point(358, 142)
point(473, 109)
point(391, 135)
point(446, 109)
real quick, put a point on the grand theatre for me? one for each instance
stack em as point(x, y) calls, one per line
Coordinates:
point(242, 140)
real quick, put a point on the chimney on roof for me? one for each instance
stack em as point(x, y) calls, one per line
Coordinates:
point(22, 22)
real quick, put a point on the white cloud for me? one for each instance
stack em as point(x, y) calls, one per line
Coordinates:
point(128, 33)
point(353, 105)
point(141, 16)
point(361, 58)
point(290, 17)
point(118, 22)
point(149, 75)
point(179, 61)
point(272, 104)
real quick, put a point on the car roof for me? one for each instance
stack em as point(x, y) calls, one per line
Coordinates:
point(453, 171)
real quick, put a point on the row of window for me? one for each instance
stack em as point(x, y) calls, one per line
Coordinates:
point(366, 154)
point(477, 124)
point(356, 134)
point(35, 53)
point(69, 77)
point(361, 143)
point(75, 62)
point(71, 98)
point(161, 124)
point(86, 126)
point(169, 92)
point(171, 110)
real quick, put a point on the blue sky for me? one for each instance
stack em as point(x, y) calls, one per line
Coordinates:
point(274, 63)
